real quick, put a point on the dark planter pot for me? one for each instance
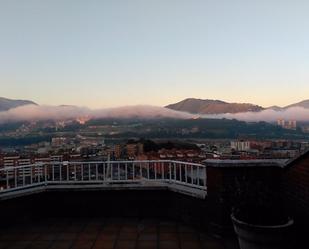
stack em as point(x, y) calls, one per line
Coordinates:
point(262, 237)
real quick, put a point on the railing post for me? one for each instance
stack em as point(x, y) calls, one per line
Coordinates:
point(133, 176)
point(112, 171)
point(126, 171)
point(7, 179)
point(197, 174)
point(15, 177)
point(205, 179)
point(170, 170)
point(96, 172)
point(104, 172)
point(175, 172)
point(82, 171)
point(60, 172)
point(30, 175)
point(45, 174)
point(75, 172)
point(148, 174)
point(162, 170)
point(53, 172)
point(38, 170)
point(186, 173)
point(68, 176)
point(23, 176)
point(89, 172)
point(192, 175)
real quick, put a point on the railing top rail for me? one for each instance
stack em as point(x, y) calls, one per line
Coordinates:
point(188, 163)
point(100, 162)
point(137, 161)
point(21, 166)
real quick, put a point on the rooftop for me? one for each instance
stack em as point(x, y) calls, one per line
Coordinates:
point(108, 233)
point(157, 204)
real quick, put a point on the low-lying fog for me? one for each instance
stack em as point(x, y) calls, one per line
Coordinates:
point(39, 113)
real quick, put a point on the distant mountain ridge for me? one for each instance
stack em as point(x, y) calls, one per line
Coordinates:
point(189, 105)
point(304, 104)
point(208, 106)
point(7, 104)
point(275, 108)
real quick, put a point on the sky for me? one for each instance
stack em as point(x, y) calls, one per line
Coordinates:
point(107, 53)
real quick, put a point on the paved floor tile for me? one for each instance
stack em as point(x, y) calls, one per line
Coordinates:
point(87, 236)
point(148, 229)
point(169, 245)
point(61, 245)
point(189, 237)
point(186, 229)
point(168, 229)
point(104, 244)
point(148, 236)
point(49, 236)
point(108, 233)
point(168, 236)
point(67, 236)
point(83, 244)
point(191, 245)
point(106, 236)
point(127, 236)
point(211, 244)
point(146, 245)
point(19, 245)
point(40, 245)
point(125, 245)
point(4, 244)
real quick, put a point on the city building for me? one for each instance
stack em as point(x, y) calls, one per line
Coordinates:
point(240, 145)
point(289, 124)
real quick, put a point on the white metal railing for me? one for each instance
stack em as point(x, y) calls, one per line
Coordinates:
point(153, 173)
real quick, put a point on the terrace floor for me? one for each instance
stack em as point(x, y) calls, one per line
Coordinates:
point(108, 233)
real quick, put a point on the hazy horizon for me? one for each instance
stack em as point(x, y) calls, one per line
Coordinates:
point(149, 104)
point(44, 112)
point(112, 53)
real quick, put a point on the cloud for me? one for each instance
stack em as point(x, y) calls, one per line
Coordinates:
point(269, 115)
point(40, 113)
point(143, 111)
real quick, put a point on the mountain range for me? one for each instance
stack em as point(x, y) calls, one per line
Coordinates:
point(7, 104)
point(304, 104)
point(190, 105)
point(209, 106)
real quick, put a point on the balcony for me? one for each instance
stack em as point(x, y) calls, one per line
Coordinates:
point(183, 177)
point(140, 204)
point(120, 204)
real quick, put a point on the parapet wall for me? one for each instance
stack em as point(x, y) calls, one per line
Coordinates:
point(227, 180)
point(295, 188)
point(137, 204)
point(284, 185)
